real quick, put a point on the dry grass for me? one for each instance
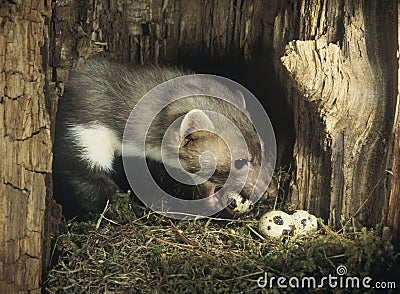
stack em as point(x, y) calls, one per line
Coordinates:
point(152, 254)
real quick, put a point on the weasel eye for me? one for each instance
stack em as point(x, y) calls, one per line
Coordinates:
point(239, 163)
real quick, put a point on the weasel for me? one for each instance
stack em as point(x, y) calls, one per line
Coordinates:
point(90, 124)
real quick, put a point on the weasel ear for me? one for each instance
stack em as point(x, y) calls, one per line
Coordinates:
point(195, 120)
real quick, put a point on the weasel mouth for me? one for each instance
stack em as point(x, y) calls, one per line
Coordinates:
point(215, 198)
point(216, 192)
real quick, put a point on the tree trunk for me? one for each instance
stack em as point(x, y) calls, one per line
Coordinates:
point(392, 219)
point(25, 164)
point(343, 90)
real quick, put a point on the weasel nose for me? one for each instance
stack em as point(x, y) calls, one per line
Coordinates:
point(259, 192)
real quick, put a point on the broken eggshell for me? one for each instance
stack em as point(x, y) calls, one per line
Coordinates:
point(276, 224)
point(304, 222)
point(238, 204)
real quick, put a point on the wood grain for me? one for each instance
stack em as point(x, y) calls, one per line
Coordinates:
point(341, 81)
point(25, 144)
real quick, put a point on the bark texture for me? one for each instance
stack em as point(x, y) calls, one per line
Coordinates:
point(158, 31)
point(342, 87)
point(25, 164)
point(392, 218)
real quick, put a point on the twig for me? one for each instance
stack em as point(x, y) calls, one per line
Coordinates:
point(102, 216)
point(183, 236)
point(255, 232)
point(202, 253)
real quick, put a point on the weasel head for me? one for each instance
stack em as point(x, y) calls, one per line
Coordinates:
point(227, 157)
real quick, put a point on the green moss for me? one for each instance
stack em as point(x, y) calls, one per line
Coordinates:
point(120, 208)
point(149, 255)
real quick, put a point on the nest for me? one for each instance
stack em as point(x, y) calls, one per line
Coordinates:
point(153, 254)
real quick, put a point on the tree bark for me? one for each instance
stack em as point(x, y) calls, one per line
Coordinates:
point(25, 164)
point(143, 31)
point(392, 218)
point(342, 87)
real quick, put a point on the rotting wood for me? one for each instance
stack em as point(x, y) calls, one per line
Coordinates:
point(340, 89)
